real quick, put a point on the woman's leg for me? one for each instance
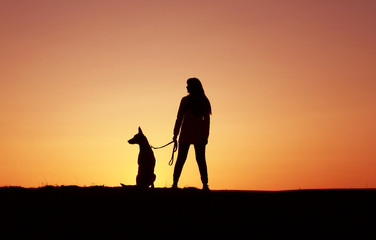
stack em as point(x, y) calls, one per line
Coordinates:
point(201, 161)
point(182, 156)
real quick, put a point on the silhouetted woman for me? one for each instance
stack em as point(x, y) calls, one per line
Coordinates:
point(193, 123)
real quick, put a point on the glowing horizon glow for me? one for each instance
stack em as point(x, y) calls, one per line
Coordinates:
point(292, 87)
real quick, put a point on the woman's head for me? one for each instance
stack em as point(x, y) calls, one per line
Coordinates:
point(198, 102)
point(194, 86)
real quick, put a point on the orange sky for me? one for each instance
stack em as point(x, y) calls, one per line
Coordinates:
point(292, 86)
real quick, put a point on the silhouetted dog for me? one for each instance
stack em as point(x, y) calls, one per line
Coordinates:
point(146, 161)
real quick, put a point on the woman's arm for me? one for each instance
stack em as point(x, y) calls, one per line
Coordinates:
point(206, 127)
point(179, 118)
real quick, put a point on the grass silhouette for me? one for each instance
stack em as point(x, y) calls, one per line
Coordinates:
point(127, 212)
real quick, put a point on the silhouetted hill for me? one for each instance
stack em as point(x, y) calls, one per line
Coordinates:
point(116, 212)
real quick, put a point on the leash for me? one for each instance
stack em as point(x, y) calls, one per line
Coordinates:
point(173, 150)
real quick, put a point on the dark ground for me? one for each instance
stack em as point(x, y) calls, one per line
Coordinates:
point(70, 212)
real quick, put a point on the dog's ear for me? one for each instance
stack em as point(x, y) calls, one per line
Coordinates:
point(139, 130)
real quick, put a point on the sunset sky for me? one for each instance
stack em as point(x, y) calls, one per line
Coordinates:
point(292, 86)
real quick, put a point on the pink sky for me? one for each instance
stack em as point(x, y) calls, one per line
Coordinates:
point(292, 85)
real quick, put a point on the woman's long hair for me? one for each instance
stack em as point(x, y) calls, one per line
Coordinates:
point(198, 103)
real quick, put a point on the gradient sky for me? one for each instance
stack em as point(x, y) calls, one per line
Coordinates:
point(292, 86)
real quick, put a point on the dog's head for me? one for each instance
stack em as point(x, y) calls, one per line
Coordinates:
point(138, 138)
